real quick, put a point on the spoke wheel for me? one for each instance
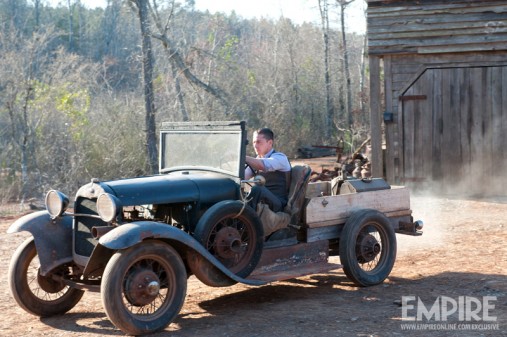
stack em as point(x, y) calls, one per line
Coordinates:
point(144, 287)
point(367, 248)
point(39, 295)
point(232, 234)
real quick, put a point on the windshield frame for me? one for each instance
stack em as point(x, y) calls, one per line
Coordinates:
point(207, 128)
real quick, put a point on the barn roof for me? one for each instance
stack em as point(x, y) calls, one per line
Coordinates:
point(436, 26)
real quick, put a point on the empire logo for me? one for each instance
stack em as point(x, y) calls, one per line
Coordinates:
point(464, 308)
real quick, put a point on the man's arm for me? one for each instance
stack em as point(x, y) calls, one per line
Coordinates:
point(255, 163)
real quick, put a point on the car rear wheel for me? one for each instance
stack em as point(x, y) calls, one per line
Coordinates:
point(39, 295)
point(233, 234)
point(144, 287)
point(367, 248)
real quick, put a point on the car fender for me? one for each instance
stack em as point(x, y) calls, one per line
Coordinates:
point(52, 237)
point(128, 235)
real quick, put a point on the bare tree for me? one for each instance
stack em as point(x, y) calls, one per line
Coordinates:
point(18, 88)
point(176, 58)
point(346, 67)
point(149, 98)
point(324, 15)
point(70, 6)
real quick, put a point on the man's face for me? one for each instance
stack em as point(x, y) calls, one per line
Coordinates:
point(261, 145)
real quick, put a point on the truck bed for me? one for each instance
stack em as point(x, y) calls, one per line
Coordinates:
point(328, 210)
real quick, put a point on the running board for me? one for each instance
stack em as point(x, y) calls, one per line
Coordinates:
point(287, 262)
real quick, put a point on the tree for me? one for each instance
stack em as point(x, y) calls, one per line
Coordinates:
point(324, 15)
point(176, 58)
point(346, 67)
point(149, 99)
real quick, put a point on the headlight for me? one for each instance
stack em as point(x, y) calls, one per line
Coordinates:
point(108, 207)
point(56, 203)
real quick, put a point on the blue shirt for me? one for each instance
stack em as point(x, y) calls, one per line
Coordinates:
point(273, 161)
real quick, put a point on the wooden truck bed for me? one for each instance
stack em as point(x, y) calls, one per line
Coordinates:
point(324, 211)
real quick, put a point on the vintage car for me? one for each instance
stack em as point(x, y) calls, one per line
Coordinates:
point(136, 241)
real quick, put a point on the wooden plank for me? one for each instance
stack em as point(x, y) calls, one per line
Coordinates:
point(419, 111)
point(432, 18)
point(446, 161)
point(483, 47)
point(488, 123)
point(317, 189)
point(391, 143)
point(408, 140)
point(425, 128)
point(432, 7)
point(413, 97)
point(376, 117)
point(326, 231)
point(496, 121)
point(331, 208)
point(465, 125)
point(503, 153)
point(477, 107)
point(457, 77)
point(454, 30)
point(439, 40)
point(376, 31)
point(437, 125)
point(436, 26)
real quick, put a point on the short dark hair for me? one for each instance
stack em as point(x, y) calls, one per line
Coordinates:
point(266, 132)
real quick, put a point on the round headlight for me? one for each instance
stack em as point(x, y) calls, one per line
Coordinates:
point(108, 207)
point(56, 203)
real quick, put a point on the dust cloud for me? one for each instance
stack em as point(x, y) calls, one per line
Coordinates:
point(430, 211)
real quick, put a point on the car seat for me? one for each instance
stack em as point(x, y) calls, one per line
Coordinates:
point(273, 221)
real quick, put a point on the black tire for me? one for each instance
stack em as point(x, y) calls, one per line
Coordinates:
point(39, 295)
point(367, 248)
point(234, 240)
point(143, 287)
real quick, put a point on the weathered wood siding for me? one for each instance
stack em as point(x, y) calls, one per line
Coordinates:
point(429, 26)
point(406, 83)
point(456, 134)
point(444, 81)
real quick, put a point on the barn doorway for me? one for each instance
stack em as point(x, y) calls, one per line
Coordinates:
point(454, 130)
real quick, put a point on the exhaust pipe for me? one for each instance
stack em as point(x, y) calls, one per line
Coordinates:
point(410, 228)
point(418, 225)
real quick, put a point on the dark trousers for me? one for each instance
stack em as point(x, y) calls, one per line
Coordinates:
point(262, 194)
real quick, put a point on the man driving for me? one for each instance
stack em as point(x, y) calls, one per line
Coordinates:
point(273, 166)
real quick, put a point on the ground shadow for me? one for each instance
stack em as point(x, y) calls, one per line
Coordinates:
point(347, 301)
point(314, 305)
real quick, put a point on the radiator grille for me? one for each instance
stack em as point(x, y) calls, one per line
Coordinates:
point(84, 241)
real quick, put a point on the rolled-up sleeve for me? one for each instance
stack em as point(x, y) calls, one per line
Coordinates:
point(276, 162)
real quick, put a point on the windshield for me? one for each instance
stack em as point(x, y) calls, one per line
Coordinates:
point(202, 148)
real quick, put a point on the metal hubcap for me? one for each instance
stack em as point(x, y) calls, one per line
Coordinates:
point(142, 287)
point(228, 242)
point(368, 248)
point(48, 284)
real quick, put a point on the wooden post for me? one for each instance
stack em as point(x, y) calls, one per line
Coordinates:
point(377, 163)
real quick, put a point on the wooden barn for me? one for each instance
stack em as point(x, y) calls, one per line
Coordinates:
point(438, 88)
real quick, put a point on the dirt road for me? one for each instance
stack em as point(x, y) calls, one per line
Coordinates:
point(462, 255)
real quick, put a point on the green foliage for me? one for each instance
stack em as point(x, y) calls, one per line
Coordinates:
point(251, 77)
point(74, 105)
point(228, 49)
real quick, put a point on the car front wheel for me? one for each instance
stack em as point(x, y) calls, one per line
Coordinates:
point(144, 287)
point(39, 295)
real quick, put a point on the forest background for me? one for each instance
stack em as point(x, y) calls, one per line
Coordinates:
point(83, 91)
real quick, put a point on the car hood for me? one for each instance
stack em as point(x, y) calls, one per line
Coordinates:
point(175, 187)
